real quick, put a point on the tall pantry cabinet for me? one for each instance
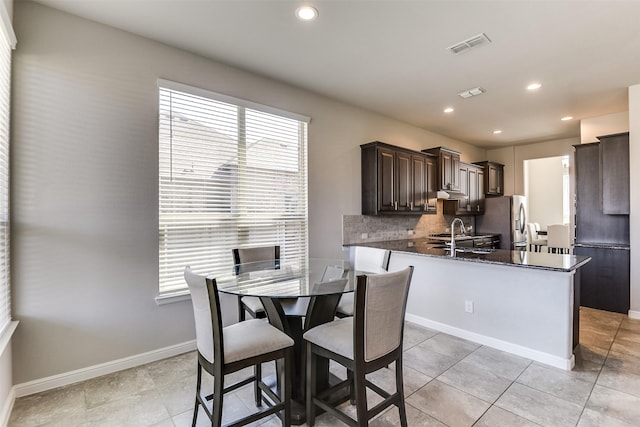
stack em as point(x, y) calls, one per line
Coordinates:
point(602, 221)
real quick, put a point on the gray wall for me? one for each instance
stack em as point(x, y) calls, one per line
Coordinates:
point(84, 159)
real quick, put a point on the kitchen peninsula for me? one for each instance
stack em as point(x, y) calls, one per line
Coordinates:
point(521, 302)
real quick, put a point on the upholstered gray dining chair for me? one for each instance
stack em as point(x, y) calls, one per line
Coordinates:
point(364, 343)
point(224, 350)
point(559, 238)
point(535, 242)
point(252, 305)
point(371, 260)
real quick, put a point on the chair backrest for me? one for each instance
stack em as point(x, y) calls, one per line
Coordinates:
point(532, 232)
point(206, 313)
point(380, 305)
point(371, 260)
point(255, 255)
point(331, 273)
point(558, 236)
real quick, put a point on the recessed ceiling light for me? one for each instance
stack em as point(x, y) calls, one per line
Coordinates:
point(564, 119)
point(497, 131)
point(307, 13)
point(448, 110)
point(534, 86)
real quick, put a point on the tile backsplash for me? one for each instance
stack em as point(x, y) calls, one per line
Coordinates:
point(376, 228)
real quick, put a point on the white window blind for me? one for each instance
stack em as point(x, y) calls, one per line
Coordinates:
point(231, 174)
point(7, 42)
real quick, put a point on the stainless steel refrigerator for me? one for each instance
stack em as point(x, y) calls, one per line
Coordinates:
point(506, 216)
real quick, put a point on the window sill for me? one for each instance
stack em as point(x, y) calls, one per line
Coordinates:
point(170, 298)
point(6, 334)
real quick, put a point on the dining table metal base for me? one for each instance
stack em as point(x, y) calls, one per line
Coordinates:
point(298, 408)
point(321, 309)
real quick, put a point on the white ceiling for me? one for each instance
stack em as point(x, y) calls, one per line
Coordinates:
point(391, 57)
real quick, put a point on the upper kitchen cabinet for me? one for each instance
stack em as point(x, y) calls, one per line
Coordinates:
point(493, 178)
point(397, 180)
point(614, 170)
point(593, 226)
point(472, 183)
point(449, 162)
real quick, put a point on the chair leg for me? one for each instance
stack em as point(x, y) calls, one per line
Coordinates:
point(197, 404)
point(361, 398)
point(288, 361)
point(352, 389)
point(218, 400)
point(257, 371)
point(400, 390)
point(311, 386)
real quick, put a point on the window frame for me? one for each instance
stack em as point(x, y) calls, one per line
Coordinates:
point(247, 111)
point(7, 44)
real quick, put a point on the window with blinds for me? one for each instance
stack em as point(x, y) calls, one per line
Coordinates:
point(231, 174)
point(7, 43)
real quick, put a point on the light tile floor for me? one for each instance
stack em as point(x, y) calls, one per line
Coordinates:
point(448, 382)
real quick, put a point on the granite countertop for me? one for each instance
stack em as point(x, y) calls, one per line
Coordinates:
point(620, 246)
point(435, 248)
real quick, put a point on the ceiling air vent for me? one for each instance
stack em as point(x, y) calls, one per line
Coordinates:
point(471, 92)
point(469, 43)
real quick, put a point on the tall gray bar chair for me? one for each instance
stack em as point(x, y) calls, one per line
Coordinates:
point(224, 350)
point(270, 255)
point(364, 343)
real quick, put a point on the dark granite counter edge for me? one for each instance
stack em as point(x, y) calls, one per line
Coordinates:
point(498, 257)
point(617, 246)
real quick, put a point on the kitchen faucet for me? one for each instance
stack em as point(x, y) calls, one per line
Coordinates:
point(453, 232)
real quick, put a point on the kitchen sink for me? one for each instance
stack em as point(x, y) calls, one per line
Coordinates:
point(447, 236)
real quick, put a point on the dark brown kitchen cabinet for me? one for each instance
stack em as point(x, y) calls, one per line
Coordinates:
point(404, 181)
point(593, 226)
point(472, 184)
point(605, 279)
point(449, 162)
point(431, 166)
point(396, 180)
point(614, 171)
point(424, 177)
point(493, 178)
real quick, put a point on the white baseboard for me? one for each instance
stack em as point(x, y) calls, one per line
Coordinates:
point(538, 356)
point(634, 314)
point(5, 413)
point(54, 381)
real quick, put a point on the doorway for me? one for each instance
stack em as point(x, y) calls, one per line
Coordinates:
point(547, 184)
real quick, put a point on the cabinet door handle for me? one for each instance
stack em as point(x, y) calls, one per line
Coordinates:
point(395, 205)
point(410, 206)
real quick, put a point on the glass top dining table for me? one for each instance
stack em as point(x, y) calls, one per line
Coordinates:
point(297, 295)
point(289, 278)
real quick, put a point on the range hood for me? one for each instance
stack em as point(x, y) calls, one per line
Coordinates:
point(451, 195)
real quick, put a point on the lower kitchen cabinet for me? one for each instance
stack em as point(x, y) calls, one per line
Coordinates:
point(605, 279)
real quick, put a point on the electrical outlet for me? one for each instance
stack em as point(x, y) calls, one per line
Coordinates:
point(468, 306)
point(365, 236)
point(410, 232)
